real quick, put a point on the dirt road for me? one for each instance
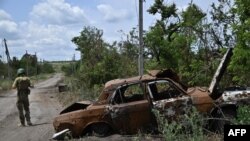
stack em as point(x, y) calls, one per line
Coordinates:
point(43, 108)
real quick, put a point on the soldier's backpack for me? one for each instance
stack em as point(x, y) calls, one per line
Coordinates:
point(23, 83)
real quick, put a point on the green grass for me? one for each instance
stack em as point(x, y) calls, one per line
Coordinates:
point(189, 127)
point(57, 66)
point(40, 77)
point(78, 91)
point(5, 84)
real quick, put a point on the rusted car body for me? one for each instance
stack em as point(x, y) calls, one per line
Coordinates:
point(125, 105)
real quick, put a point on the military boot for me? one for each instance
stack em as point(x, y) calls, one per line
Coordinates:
point(29, 123)
point(21, 124)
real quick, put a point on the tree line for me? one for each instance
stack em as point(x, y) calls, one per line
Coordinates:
point(28, 62)
point(189, 41)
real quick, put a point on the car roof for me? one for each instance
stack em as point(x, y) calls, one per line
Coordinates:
point(152, 74)
point(112, 85)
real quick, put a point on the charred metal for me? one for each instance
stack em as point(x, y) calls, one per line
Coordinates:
point(125, 105)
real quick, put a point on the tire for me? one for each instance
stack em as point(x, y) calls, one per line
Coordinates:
point(223, 116)
point(101, 129)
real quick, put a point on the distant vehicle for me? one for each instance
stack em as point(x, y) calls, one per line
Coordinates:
point(125, 105)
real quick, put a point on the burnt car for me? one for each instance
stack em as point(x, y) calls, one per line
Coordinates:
point(125, 105)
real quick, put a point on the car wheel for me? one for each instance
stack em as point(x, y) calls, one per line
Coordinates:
point(225, 116)
point(101, 129)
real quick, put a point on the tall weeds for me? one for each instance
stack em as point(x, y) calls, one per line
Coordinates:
point(78, 91)
point(189, 127)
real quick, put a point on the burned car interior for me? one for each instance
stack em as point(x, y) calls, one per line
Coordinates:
point(162, 89)
point(158, 90)
point(128, 93)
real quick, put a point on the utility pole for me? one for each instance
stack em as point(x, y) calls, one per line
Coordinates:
point(140, 60)
point(27, 65)
point(36, 59)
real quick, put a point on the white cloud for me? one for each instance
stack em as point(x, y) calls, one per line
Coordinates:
point(58, 12)
point(50, 42)
point(4, 15)
point(114, 15)
point(48, 32)
point(53, 23)
point(8, 28)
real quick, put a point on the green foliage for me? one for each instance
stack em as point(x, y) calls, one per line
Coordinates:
point(240, 61)
point(192, 16)
point(233, 18)
point(101, 62)
point(188, 127)
point(3, 68)
point(46, 67)
point(243, 115)
point(166, 11)
point(70, 69)
point(172, 43)
point(186, 41)
point(29, 63)
point(78, 91)
point(5, 84)
point(240, 65)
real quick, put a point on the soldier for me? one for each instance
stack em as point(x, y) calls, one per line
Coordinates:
point(22, 83)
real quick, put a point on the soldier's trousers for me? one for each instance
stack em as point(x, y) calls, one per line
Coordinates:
point(23, 105)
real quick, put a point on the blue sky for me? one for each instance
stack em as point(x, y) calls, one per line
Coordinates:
point(46, 27)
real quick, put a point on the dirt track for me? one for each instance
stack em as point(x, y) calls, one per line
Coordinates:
point(43, 108)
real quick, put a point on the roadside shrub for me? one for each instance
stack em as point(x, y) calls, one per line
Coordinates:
point(46, 68)
point(67, 69)
point(243, 115)
point(78, 91)
point(5, 84)
point(188, 127)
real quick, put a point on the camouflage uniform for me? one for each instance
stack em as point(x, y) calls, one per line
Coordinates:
point(23, 99)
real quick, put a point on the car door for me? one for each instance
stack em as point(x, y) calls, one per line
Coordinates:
point(129, 108)
point(168, 99)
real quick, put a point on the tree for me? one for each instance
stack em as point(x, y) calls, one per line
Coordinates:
point(240, 62)
point(175, 40)
point(128, 49)
point(100, 62)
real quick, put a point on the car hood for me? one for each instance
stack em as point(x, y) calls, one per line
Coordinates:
point(77, 106)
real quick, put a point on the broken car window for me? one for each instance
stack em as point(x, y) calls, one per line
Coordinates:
point(162, 89)
point(129, 93)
